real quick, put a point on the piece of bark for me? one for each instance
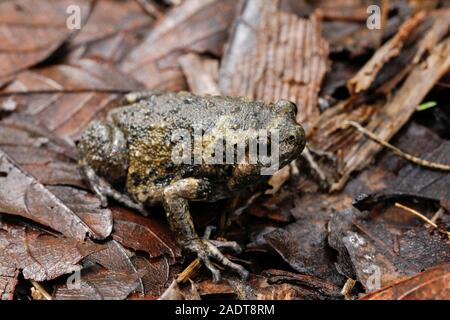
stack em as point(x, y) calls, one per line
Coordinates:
point(289, 61)
point(8, 283)
point(199, 74)
point(364, 78)
point(242, 40)
point(351, 149)
point(195, 25)
point(40, 256)
point(395, 113)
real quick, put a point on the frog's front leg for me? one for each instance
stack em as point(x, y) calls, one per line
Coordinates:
point(176, 204)
point(103, 189)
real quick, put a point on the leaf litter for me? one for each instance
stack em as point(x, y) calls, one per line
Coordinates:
point(329, 220)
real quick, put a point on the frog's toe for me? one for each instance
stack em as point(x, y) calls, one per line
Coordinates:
point(206, 249)
point(233, 245)
point(216, 254)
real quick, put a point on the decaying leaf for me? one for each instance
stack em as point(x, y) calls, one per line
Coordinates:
point(194, 25)
point(386, 246)
point(432, 284)
point(21, 194)
point(146, 234)
point(40, 256)
point(49, 159)
point(65, 98)
point(99, 284)
point(27, 38)
point(303, 245)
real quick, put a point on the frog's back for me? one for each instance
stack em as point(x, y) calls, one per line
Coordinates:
point(185, 110)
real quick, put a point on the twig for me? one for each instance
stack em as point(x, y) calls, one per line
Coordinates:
point(189, 271)
point(421, 216)
point(397, 151)
point(438, 214)
point(348, 287)
point(41, 290)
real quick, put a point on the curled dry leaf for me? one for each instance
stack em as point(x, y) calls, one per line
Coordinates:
point(40, 256)
point(303, 244)
point(432, 284)
point(27, 38)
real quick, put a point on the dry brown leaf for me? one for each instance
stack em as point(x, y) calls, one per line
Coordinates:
point(432, 284)
point(194, 25)
point(99, 284)
point(145, 234)
point(31, 30)
point(40, 256)
point(22, 195)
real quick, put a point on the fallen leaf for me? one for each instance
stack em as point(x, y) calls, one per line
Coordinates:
point(194, 25)
point(99, 284)
point(303, 244)
point(22, 195)
point(31, 30)
point(144, 233)
point(40, 256)
point(86, 206)
point(64, 98)
point(432, 284)
point(386, 245)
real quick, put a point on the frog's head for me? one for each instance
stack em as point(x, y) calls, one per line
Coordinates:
point(291, 136)
point(104, 148)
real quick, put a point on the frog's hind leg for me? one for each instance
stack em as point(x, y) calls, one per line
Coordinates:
point(103, 190)
point(176, 204)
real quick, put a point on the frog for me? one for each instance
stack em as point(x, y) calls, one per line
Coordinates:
point(129, 157)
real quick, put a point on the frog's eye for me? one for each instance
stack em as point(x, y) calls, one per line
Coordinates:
point(286, 107)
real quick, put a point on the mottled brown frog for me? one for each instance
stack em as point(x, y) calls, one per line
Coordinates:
point(173, 148)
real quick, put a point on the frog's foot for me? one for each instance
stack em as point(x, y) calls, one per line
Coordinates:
point(233, 245)
point(205, 249)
